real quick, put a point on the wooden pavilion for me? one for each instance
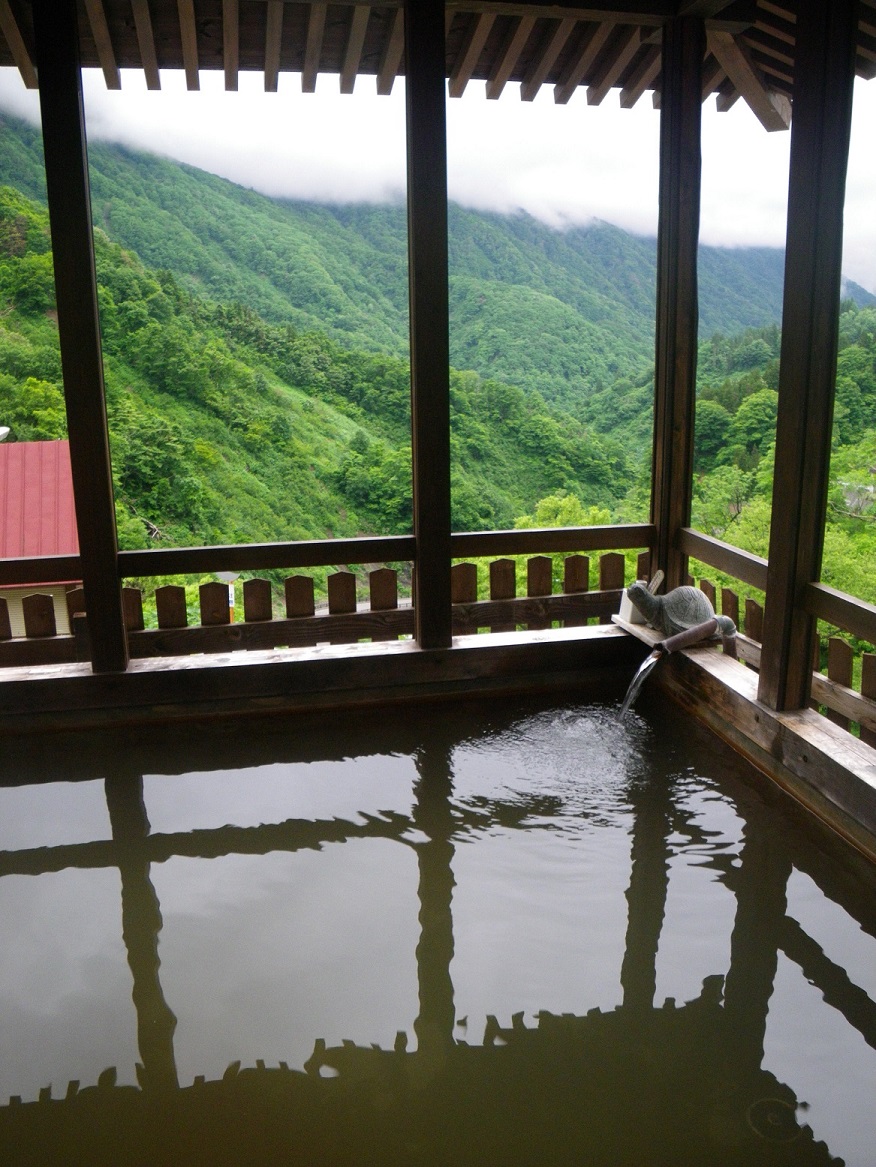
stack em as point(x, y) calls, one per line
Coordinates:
point(794, 62)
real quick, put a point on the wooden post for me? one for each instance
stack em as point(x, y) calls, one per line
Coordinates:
point(63, 121)
point(684, 46)
point(430, 345)
point(67, 184)
point(823, 85)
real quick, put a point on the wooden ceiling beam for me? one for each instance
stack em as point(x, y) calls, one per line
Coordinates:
point(727, 99)
point(470, 53)
point(313, 48)
point(273, 41)
point(768, 47)
point(188, 32)
point(231, 43)
point(17, 47)
point(355, 44)
point(103, 43)
point(393, 51)
point(772, 110)
point(537, 73)
point(645, 75)
point(576, 70)
point(146, 42)
point(713, 75)
point(642, 12)
point(626, 50)
point(509, 56)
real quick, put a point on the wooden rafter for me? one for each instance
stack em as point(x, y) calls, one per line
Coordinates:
point(509, 56)
point(627, 49)
point(146, 41)
point(578, 68)
point(20, 55)
point(103, 42)
point(645, 76)
point(273, 40)
point(355, 43)
point(188, 32)
point(393, 51)
point(313, 48)
point(726, 99)
point(231, 42)
point(537, 73)
point(469, 55)
point(768, 47)
point(773, 110)
point(778, 29)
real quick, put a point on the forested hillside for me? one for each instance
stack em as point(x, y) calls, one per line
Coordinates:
point(228, 428)
point(565, 313)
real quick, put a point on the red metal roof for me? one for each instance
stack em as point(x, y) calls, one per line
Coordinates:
point(36, 500)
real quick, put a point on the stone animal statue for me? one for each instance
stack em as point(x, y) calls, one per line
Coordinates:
point(678, 610)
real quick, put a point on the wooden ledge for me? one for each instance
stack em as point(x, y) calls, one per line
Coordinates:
point(596, 659)
point(826, 769)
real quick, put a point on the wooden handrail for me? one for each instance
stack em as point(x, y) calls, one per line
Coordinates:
point(751, 569)
point(539, 540)
point(855, 616)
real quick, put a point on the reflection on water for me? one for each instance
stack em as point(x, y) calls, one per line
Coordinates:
point(442, 936)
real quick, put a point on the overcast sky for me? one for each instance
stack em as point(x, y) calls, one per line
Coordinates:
point(563, 164)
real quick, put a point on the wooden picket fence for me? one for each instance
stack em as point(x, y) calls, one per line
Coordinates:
point(342, 620)
point(832, 692)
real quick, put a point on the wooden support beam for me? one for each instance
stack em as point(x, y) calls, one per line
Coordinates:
point(188, 32)
point(627, 48)
point(577, 69)
point(20, 55)
point(103, 43)
point(713, 75)
point(429, 300)
point(273, 41)
point(63, 122)
point(684, 45)
point(813, 257)
point(390, 62)
point(537, 72)
point(509, 55)
point(313, 48)
point(231, 43)
point(355, 42)
point(470, 53)
point(146, 41)
point(773, 110)
point(726, 99)
point(645, 75)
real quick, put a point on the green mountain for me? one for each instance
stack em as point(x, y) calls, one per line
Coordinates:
point(565, 313)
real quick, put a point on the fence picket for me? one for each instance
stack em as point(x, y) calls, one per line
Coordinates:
point(539, 582)
point(503, 586)
point(257, 603)
point(612, 568)
point(170, 606)
point(39, 615)
point(840, 662)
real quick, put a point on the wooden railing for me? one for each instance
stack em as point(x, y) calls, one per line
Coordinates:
point(845, 706)
point(342, 619)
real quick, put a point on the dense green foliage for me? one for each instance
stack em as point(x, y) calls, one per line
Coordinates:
point(229, 428)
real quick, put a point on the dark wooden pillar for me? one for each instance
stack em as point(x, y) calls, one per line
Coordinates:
point(824, 80)
point(57, 53)
point(430, 345)
point(684, 45)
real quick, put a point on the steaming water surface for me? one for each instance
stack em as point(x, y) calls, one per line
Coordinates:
point(469, 936)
